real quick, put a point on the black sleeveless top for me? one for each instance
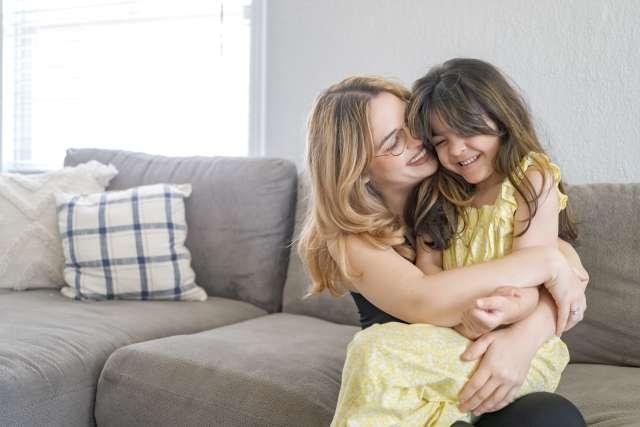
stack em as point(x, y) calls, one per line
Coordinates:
point(369, 313)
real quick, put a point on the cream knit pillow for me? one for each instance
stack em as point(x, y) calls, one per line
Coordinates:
point(30, 248)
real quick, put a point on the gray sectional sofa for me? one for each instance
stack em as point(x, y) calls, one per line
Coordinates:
point(256, 353)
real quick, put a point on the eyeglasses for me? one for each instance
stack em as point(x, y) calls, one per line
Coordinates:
point(398, 146)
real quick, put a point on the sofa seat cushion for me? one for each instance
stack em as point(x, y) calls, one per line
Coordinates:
point(606, 395)
point(52, 349)
point(281, 369)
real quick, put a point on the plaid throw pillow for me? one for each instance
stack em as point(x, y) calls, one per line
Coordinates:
point(127, 244)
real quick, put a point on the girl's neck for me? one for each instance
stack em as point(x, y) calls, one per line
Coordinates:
point(487, 191)
point(489, 183)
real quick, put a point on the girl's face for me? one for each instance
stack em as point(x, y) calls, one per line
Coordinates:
point(471, 157)
point(400, 160)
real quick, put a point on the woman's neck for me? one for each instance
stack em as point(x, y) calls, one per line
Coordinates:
point(396, 200)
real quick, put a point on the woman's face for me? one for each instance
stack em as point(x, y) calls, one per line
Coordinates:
point(400, 160)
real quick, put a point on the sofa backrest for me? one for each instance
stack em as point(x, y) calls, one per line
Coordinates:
point(609, 246)
point(240, 216)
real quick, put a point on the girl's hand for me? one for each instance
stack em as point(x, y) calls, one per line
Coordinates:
point(490, 312)
point(501, 372)
point(476, 322)
point(506, 305)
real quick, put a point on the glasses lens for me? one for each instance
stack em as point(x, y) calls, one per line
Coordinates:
point(400, 144)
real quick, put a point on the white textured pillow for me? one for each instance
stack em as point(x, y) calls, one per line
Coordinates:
point(30, 250)
point(127, 244)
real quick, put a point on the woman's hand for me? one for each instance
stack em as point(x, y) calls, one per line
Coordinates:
point(567, 289)
point(501, 372)
point(582, 276)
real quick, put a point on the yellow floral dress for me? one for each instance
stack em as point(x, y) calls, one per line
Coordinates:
point(410, 375)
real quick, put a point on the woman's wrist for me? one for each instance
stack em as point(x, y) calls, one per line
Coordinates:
point(555, 262)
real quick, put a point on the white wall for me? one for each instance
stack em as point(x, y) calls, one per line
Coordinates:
point(577, 62)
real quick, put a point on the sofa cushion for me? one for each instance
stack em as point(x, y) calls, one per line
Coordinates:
point(127, 244)
point(30, 251)
point(277, 370)
point(52, 349)
point(609, 246)
point(324, 306)
point(607, 396)
point(240, 216)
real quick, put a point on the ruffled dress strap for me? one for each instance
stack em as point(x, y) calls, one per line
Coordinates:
point(507, 197)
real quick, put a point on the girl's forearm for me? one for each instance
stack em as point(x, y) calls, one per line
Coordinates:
point(524, 306)
point(540, 325)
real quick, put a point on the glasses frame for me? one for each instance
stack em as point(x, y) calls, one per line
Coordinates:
point(404, 148)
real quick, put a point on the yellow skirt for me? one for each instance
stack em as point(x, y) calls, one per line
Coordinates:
point(410, 375)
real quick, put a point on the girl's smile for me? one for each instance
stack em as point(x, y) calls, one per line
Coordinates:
point(472, 157)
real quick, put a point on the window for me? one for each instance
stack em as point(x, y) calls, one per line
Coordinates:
point(159, 76)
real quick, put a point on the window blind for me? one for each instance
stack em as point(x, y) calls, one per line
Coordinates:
point(159, 76)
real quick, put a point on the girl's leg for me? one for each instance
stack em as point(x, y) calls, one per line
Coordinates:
point(409, 375)
point(540, 409)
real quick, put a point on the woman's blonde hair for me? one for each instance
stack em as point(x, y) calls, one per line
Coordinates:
point(342, 201)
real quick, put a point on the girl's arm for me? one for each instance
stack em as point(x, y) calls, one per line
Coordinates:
point(396, 286)
point(542, 231)
point(543, 228)
point(428, 260)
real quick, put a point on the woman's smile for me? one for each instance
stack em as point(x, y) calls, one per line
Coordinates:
point(420, 158)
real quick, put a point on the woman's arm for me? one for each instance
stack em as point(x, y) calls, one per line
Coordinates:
point(520, 342)
point(399, 288)
point(485, 321)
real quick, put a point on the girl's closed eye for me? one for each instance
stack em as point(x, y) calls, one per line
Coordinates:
point(437, 141)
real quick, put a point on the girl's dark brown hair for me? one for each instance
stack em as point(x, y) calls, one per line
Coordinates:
point(430, 213)
point(463, 93)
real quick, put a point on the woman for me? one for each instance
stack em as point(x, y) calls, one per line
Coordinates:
point(364, 165)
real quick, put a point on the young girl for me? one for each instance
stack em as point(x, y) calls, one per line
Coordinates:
point(509, 196)
point(363, 165)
